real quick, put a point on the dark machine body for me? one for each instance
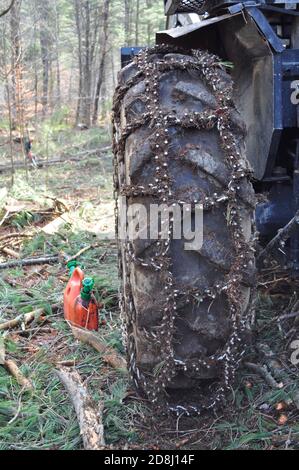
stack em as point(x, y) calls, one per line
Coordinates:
point(261, 39)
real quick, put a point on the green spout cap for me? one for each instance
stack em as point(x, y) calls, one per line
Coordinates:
point(88, 284)
point(72, 265)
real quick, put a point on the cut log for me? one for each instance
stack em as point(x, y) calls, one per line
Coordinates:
point(89, 415)
point(109, 355)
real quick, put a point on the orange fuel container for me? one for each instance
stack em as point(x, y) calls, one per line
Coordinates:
point(72, 291)
point(86, 310)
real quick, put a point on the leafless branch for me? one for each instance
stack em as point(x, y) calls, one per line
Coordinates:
point(4, 12)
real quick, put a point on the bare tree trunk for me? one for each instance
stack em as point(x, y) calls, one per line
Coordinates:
point(149, 4)
point(79, 35)
point(8, 9)
point(127, 22)
point(7, 85)
point(103, 42)
point(86, 114)
point(113, 69)
point(57, 35)
point(51, 87)
point(10, 136)
point(137, 22)
point(35, 75)
point(87, 31)
point(70, 86)
point(15, 18)
point(45, 45)
point(18, 112)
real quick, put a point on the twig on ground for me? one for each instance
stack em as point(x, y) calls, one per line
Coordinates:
point(88, 414)
point(288, 315)
point(109, 355)
point(273, 363)
point(296, 400)
point(10, 252)
point(34, 331)
point(2, 351)
point(71, 363)
point(13, 369)
point(14, 235)
point(103, 256)
point(25, 319)
point(4, 218)
point(15, 417)
point(81, 252)
point(281, 236)
point(273, 281)
point(265, 374)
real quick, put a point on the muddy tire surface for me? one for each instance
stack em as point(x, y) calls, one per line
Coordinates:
point(178, 140)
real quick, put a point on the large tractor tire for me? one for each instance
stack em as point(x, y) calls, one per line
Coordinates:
point(179, 139)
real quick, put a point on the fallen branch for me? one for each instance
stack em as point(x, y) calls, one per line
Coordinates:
point(25, 319)
point(59, 203)
point(4, 12)
point(265, 374)
point(89, 416)
point(109, 355)
point(56, 161)
point(13, 369)
point(30, 262)
point(78, 155)
point(85, 153)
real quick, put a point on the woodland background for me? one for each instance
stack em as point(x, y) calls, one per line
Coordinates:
point(60, 58)
point(59, 61)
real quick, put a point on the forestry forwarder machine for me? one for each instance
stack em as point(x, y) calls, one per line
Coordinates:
point(209, 115)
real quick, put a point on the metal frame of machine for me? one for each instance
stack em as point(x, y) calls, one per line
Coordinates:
point(261, 39)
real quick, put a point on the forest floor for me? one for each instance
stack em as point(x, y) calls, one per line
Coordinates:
point(262, 414)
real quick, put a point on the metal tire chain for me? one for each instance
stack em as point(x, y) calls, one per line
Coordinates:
point(192, 6)
point(208, 67)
